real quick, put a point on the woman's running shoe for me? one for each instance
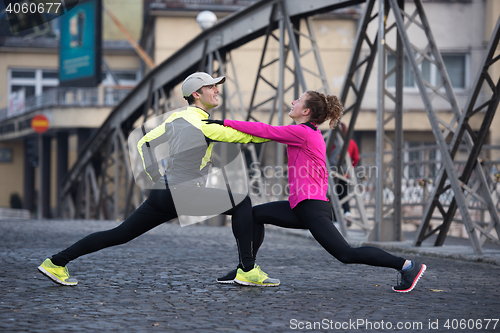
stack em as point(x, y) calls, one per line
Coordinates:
point(410, 277)
point(228, 278)
point(58, 274)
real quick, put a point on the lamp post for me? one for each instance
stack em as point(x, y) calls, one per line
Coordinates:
point(207, 19)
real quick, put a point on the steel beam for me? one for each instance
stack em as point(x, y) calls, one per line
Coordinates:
point(397, 230)
point(388, 217)
point(474, 143)
point(422, 86)
point(360, 67)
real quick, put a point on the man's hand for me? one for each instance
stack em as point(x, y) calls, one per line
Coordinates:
point(212, 121)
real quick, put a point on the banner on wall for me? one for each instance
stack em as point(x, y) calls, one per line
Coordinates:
point(80, 45)
point(16, 103)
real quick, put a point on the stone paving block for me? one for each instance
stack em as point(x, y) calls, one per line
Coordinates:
point(164, 281)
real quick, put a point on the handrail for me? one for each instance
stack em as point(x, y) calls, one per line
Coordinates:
point(63, 96)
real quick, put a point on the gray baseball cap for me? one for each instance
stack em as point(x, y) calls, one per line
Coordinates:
point(197, 80)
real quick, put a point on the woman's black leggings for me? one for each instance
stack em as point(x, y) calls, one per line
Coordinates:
point(159, 208)
point(316, 215)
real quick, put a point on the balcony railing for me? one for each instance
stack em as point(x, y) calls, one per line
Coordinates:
point(79, 97)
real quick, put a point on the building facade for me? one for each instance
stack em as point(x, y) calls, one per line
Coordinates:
point(29, 85)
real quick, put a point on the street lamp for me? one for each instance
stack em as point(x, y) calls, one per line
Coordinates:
point(206, 19)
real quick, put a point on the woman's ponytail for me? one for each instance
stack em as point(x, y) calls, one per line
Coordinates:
point(323, 108)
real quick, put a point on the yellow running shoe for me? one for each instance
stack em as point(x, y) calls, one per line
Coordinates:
point(255, 277)
point(58, 274)
point(258, 267)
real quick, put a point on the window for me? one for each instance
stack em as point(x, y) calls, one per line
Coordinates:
point(455, 64)
point(34, 81)
point(408, 78)
point(124, 77)
point(23, 74)
point(50, 75)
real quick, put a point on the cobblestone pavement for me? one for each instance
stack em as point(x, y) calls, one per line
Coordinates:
point(164, 281)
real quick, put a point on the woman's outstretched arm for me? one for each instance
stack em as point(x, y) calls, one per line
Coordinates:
point(294, 135)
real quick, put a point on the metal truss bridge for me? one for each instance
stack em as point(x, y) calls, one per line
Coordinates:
point(101, 184)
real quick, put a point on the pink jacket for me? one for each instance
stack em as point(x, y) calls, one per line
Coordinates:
point(307, 173)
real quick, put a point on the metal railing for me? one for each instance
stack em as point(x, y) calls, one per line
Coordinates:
point(419, 180)
point(83, 97)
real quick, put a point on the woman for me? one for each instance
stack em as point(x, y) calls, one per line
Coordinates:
point(307, 206)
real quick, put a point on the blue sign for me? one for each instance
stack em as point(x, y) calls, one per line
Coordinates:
point(80, 45)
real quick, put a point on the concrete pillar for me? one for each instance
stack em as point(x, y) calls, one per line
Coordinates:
point(45, 155)
point(29, 174)
point(62, 165)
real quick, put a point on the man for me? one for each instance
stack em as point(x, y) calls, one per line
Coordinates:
point(180, 190)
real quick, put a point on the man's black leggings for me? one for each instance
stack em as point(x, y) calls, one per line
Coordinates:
point(157, 209)
point(316, 215)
